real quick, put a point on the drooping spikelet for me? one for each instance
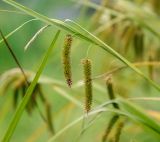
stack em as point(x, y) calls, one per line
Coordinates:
point(138, 42)
point(115, 118)
point(127, 36)
point(66, 59)
point(17, 91)
point(15, 97)
point(111, 92)
point(49, 118)
point(88, 84)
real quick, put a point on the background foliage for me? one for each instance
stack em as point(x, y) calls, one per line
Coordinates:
point(129, 27)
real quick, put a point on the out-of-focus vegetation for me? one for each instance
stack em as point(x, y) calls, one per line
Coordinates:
point(118, 101)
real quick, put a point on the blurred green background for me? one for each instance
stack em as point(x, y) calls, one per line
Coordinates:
point(32, 128)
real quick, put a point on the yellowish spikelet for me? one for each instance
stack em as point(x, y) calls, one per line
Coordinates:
point(88, 84)
point(66, 59)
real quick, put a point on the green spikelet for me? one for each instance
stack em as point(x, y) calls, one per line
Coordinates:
point(49, 118)
point(111, 92)
point(138, 41)
point(66, 59)
point(88, 84)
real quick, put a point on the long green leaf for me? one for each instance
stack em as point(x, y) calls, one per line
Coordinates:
point(83, 34)
point(139, 114)
point(28, 94)
point(17, 29)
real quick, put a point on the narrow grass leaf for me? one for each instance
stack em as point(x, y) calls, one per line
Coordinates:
point(28, 94)
point(140, 115)
point(35, 36)
point(17, 29)
point(14, 56)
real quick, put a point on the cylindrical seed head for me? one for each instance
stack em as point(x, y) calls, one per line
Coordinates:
point(66, 59)
point(88, 84)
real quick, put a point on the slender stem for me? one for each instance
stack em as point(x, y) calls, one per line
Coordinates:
point(137, 64)
point(14, 57)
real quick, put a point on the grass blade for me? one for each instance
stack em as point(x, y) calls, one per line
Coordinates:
point(41, 30)
point(11, 11)
point(28, 94)
point(14, 56)
point(139, 114)
point(17, 29)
